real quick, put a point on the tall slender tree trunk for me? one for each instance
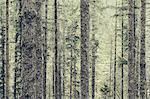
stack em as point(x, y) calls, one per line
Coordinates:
point(71, 71)
point(115, 56)
point(64, 58)
point(7, 50)
point(57, 67)
point(45, 50)
point(94, 50)
point(75, 77)
point(142, 52)
point(137, 69)
point(18, 54)
point(2, 60)
point(122, 54)
point(131, 51)
point(56, 52)
point(84, 6)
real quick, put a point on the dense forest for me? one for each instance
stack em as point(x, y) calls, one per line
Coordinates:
point(74, 49)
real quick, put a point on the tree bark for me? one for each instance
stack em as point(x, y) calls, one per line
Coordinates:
point(122, 54)
point(94, 50)
point(84, 49)
point(32, 50)
point(131, 51)
point(45, 50)
point(57, 66)
point(142, 52)
point(2, 60)
point(7, 50)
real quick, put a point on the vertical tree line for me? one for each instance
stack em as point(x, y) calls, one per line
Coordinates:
point(73, 68)
point(84, 6)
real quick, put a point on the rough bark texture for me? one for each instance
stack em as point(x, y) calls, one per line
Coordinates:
point(7, 51)
point(45, 50)
point(71, 71)
point(18, 54)
point(57, 64)
point(84, 8)
point(94, 50)
point(142, 52)
point(122, 54)
point(131, 51)
point(2, 58)
point(32, 50)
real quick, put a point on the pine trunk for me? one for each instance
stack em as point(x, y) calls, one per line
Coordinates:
point(2, 59)
point(131, 51)
point(94, 50)
point(122, 54)
point(32, 50)
point(7, 50)
point(45, 50)
point(84, 49)
point(57, 65)
point(115, 56)
point(142, 52)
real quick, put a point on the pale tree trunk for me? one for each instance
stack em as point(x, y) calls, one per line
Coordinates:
point(142, 52)
point(115, 56)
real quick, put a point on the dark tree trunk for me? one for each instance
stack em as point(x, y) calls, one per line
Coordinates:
point(32, 50)
point(94, 50)
point(122, 54)
point(45, 50)
point(7, 50)
point(131, 51)
point(84, 49)
point(142, 52)
point(18, 54)
point(57, 66)
point(71, 72)
point(2, 60)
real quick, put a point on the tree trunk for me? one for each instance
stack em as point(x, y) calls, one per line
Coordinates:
point(45, 50)
point(2, 60)
point(115, 56)
point(131, 52)
point(57, 67)
point(122, 54)
point(84, 49)
point(7, 50)
point(94, 50)
point(32, 50)
point(18, 54)
point(71, 71)
point(142, 52)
